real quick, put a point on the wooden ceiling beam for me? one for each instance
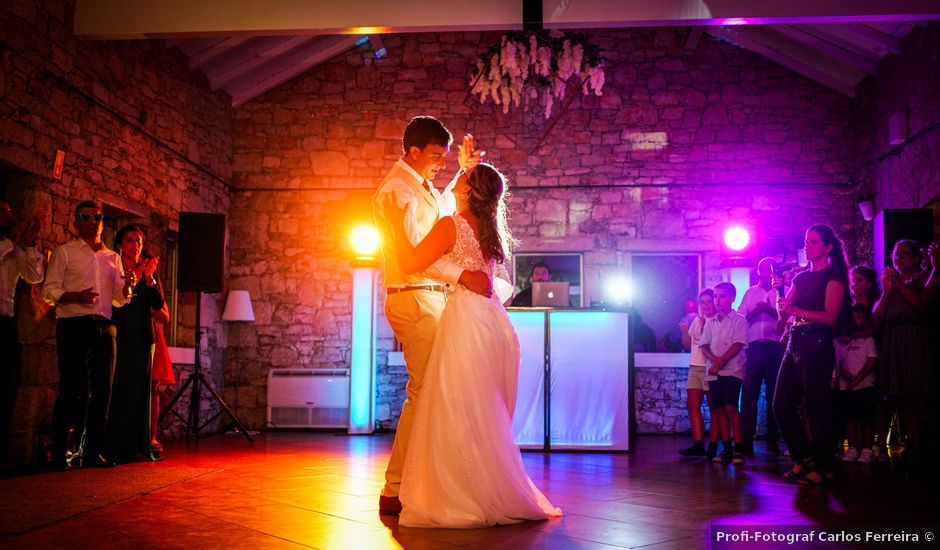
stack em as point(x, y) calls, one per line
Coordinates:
point(831, 49)
point(207, 55)
point(267, 50)
point(287, 66)
point(827, 73)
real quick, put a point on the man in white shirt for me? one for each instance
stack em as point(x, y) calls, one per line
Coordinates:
point(18, 260)
point(84, 278)
point(414, 303)
point(764, 353)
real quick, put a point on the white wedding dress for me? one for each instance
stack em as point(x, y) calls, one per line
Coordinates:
point(463, 469)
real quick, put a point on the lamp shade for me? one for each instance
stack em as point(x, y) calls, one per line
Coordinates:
point(238, 307)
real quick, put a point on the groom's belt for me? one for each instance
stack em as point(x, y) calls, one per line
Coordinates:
point(432, 288)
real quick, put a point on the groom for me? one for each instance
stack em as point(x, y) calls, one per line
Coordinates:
point(414, 303)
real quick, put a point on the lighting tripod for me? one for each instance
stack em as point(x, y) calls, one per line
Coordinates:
point(192, 421)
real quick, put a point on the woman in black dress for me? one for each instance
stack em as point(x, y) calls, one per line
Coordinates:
point(906, 373)
point(128, 432)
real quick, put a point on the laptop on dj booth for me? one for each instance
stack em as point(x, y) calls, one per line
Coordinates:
point(550, 294)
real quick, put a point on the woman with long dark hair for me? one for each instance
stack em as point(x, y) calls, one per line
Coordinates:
point(128, 432)
point(463, 468)
point(819, 301)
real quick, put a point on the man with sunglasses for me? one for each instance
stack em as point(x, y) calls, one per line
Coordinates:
point(84, 278)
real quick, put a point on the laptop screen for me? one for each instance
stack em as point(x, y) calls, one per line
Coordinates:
point(551, 294)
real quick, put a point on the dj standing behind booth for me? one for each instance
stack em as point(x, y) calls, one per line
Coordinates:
point(128, 434)
point(83, 279)
point(819, 299)
point(18, 260)
point(539, 274)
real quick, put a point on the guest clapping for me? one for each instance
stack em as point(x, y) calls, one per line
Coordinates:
point(129, 426)
point(907, 365)
point(19, 259)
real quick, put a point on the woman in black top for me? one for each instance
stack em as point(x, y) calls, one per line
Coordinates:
point(128, 432)
point(819, 300)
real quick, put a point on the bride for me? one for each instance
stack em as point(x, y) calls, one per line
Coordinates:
point(463, 469)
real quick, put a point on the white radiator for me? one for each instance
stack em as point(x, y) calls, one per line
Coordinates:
point(308, 398)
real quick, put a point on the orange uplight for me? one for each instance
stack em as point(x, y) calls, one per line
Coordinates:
point(365, 242)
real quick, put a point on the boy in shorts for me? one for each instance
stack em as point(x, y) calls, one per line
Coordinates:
point(723, 342)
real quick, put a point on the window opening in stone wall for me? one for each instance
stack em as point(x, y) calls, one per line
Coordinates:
point(664, 284)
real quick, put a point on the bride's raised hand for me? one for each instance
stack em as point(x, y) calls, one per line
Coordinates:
point(467, 156)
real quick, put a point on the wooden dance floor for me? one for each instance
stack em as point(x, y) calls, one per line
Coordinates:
point(318, 490)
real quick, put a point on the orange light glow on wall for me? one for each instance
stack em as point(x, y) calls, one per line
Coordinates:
point(365, 241)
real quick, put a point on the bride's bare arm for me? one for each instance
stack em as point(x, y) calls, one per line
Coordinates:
point(415, 259)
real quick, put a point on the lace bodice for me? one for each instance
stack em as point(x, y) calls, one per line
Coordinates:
point(466, 252)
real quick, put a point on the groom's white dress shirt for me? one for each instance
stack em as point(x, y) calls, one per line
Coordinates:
point(403, 188)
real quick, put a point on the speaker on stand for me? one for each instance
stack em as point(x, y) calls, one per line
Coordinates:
point(201, 254)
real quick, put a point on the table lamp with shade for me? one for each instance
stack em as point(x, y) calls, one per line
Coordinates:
point(238, 309)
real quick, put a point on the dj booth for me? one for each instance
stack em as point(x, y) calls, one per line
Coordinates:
point(575, 382)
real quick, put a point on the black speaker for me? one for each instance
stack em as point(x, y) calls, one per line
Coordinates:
point(894, 225)
point(201, 252)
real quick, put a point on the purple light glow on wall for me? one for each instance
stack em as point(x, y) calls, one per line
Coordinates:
point(737, 238)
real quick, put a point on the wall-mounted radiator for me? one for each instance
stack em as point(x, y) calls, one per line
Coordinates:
point(308, 398)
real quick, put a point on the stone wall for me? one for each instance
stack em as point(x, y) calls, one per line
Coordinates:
point(906, 176)
point(681, 144)
point(660, 396)
point(140, 133)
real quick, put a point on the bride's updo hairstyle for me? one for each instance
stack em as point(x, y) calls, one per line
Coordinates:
point(487, 201)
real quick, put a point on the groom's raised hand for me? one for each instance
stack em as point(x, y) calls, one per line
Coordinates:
point(478, 282)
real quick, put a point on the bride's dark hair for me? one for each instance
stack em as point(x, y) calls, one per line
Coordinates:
point(487, 201)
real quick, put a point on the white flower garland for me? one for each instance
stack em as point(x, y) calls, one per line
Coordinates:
point(524, 67)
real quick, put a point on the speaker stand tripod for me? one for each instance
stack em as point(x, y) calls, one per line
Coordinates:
point(192, 421)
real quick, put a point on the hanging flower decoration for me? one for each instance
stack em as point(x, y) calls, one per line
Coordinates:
point(528, 67)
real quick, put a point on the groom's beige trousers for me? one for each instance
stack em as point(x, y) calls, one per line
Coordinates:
point(414, 317)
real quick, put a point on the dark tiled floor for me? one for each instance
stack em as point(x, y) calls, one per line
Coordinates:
point(301, 490)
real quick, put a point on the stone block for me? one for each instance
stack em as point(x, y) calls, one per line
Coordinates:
point(551, 211)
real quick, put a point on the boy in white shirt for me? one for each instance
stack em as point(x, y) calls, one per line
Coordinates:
point(723, 342)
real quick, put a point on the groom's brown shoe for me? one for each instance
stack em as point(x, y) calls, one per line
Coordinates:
point(389, 506)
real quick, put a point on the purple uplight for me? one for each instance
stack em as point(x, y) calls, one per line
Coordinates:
point(737, 238)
